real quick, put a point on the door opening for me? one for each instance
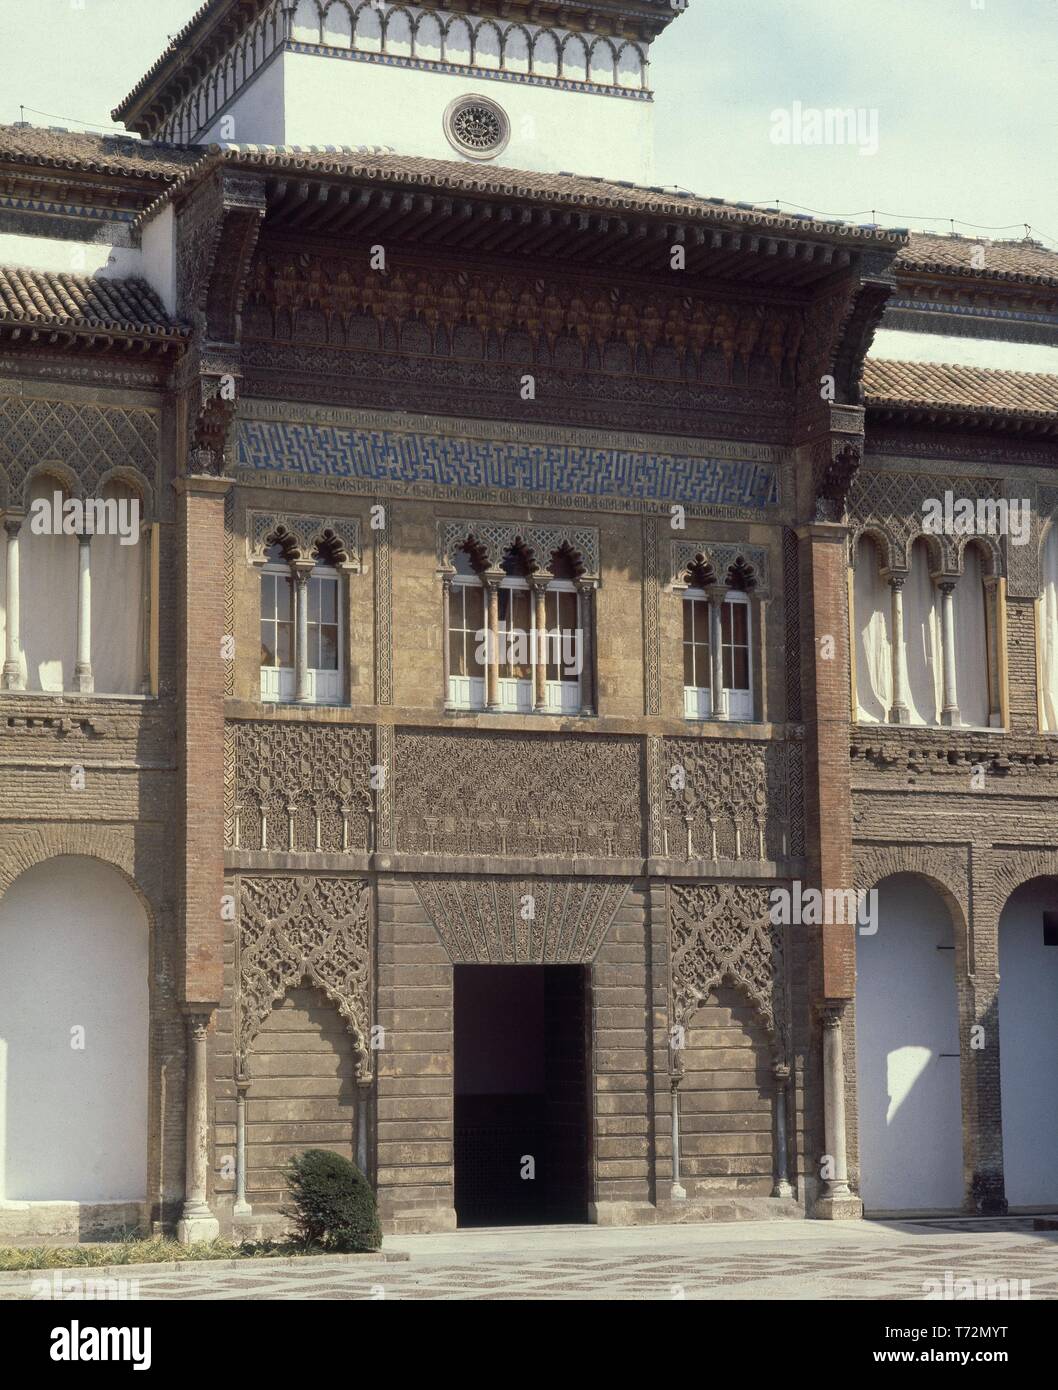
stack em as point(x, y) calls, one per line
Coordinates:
point(521, 1094)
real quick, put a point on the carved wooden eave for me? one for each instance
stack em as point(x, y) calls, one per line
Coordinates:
point(874, 284)
point(217, 226)
point(983, 419)
point(74, 337)
point(443, 206)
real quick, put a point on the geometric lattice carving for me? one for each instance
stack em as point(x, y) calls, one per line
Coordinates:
point(91, 441)
point(493, 921)
point(890, 505)
point(316, 930)
point(472, 793)
point(303, 536)
point(721, 557)
point(302, 787)
point(496, 538)
point(722, 932)
point(731, 799)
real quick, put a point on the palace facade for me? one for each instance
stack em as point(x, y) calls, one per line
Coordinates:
point(530, 591)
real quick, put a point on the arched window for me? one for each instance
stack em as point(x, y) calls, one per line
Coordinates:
point(971, 641)
point(697, 656)
point(277, 627)
point(324, 633)
point(515, 636)
point(48, 589)
point(118, 563)
point(872, 604)
point(1048, 629)
point(737, 654)
point(923, 640)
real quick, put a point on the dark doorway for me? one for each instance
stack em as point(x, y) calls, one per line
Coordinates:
point(521, 1094)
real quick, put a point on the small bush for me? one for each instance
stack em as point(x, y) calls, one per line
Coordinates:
point(333, 1205)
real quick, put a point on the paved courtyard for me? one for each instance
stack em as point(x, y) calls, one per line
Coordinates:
point(765, 1260)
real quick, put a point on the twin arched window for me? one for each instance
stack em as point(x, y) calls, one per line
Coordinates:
point(925, 642)
point(718, 642)
point(301, 631)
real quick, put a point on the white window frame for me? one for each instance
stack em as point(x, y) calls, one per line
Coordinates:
point(468, 692)
point(740, 702)
point(698, 699)
point(278, 682)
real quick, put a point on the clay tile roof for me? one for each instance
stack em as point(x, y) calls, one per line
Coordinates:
point(1026, 261)
point(99, 154)
point(974, 389)
point(48, 299)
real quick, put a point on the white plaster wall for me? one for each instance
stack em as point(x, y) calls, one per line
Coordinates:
point(900, 345)
point(158, 259)
point(1028, 1047)
point(910, 1122)
point(257, 114)
point(328, 101)
point(73, 953)
point(70, 257)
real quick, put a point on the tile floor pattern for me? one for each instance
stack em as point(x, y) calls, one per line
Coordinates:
point(759, 1260)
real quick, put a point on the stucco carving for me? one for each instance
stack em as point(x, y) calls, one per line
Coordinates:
point(303, 535)
point(316, 930)
point(301, 787)
point(722, 932)
point(551, 921)
point(748, 560)
point(732, 799)
point(471, 793)
point(495, 538)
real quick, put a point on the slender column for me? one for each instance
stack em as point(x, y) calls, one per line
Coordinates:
point(678, 1192)
point(242, 1206)
point(782, 1186)
point(950, 712)
point(837, 1199)
point(362, 1120)
point(899, 712)
point(301, 634)
point(82, 675)
point(148, 616)
point(718, 694)
point(446, 655)
point(197, 1221)
point(492, 687)
point(586, 591)
point(12, 677)
point(540, 643)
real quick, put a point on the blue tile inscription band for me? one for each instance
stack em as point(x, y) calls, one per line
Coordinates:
point(320, 452)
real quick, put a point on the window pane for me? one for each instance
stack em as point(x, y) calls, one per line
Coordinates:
point(551, 608)
point(520, 609)
point(284, 598)
point(328, 647)
point(476, 642)
point(456, 654)
point(268, 644)
point(314, 600)
point(740, 613)
point(568, 611)
point(728, 684)
point(455, 607)
point(474, 599)
point(688, 620)
point(741, 681)
point(268, 596)
point(725, 621)
point(284, 644)
point(329, 600)
point(688, 664)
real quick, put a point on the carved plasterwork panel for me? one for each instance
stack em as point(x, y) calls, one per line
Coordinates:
point(889, 504)
point(471, 793)
point(497, 537)
point(732, 799)
point(721, 556)
point(491, 921)
point(90, 441)
point(306, 534)
point(316, 930)
point(301, 787)
point(722, 932)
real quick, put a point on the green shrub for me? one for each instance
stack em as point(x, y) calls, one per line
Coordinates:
point(333, 1205)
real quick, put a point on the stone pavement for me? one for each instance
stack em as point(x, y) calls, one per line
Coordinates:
point(758, 1260)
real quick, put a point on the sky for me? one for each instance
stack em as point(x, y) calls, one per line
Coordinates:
point(956, 100)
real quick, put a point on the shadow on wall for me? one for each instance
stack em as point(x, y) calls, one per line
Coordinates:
point(907, 1054)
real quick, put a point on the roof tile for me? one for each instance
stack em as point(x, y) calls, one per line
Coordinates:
point(57, 300)
point(930, 384)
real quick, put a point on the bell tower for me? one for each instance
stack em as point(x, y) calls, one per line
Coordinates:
point(525, 84)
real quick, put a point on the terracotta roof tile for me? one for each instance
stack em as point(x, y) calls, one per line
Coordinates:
point(100, 154)
point(930, 384)
point(53, 300)
point(1003, 260)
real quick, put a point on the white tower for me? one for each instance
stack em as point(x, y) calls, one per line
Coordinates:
point(529, 84)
